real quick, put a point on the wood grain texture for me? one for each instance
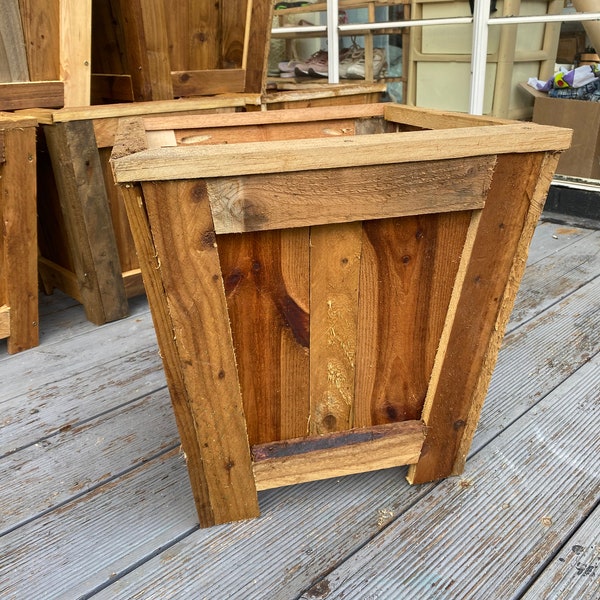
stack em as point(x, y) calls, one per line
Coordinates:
point(335, 262)
point(41, 94)
point(236, 29)
point(256, 52)
point(262, 202)
point(266, 279)
point(42, 30)
point(147, 49)
point(184, 239)
point(362, 150)
point(491, 282)
point(4, 320)
point(76, 50)
point(208, 82)
point(402, 448)
point(407, 277)
point(18, 193)
point(84, 207)
point(13, 58)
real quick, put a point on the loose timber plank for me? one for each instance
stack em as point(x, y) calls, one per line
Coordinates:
point(335, 263)
point(203, 347)
point(266, 277)
point(400, 445)
point(573, 572)
point(552, 452)
point(82, 194)
point(386, 148)
point(13, 59)
point(464, 365)
point(262, 202)
point(256, 45)
point(4, 321)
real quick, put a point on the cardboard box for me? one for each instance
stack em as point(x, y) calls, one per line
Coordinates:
point(583, 158)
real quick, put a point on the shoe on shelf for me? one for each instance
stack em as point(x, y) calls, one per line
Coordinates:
point(318, 62)
point(351, 56)
point(357, 70)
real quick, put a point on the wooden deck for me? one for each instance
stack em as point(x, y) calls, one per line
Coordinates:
point(95, 499)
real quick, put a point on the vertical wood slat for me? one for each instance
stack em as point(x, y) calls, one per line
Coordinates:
point(409, 270)
point(334, 276)
point(147, 49)
point(76, 50)
point(233, 26)
point(84, 207)
point(256, 55)
point(19, 287)
point(201, 338)
point(13, 57)
point(498, 257)
point(266, 283)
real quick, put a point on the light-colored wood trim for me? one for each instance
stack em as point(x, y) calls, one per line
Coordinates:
point(328, 153)
point(4, 321)
point(263, 202)
point(76, 50)
point(10, 120)
point(401, 448)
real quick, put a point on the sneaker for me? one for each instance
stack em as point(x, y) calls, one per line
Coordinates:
point(357, 70)
point(352, 56)
point(321, 69)
point(318, 62)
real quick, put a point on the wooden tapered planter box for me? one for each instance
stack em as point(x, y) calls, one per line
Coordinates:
point(329, 286)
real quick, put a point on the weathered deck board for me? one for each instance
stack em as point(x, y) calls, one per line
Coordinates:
point(534, 480)
point(130, 531)
point(575, 570)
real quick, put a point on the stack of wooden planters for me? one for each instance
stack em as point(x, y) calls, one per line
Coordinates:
point(77, 66)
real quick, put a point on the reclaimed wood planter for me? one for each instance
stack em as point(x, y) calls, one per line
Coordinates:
point(18, 235)
point(329, 286)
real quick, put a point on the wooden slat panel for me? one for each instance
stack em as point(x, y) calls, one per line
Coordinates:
point(4, 321)
point(85, 210)
point(385, 148)
point(266, 282)
point(18, 193)
point(111, 88)
point(335, 261)
point(209, 82)
point(462, 375)
point(13, 60)
point(42, 30)
point(401, 448)
point(263, 202)
point(40, 94)
point(407, 277)
point(183, 234)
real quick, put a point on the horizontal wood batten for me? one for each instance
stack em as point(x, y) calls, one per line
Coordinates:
point(136, 109)
point(400, 446)
point(328, 153)
point(291, 115)
point(4, 321)
point(264, 202)
point(43, 94)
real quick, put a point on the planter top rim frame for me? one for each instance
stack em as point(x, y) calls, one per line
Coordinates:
point(466, 137)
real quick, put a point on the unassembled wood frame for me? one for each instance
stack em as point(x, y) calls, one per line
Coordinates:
point(330, 286)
